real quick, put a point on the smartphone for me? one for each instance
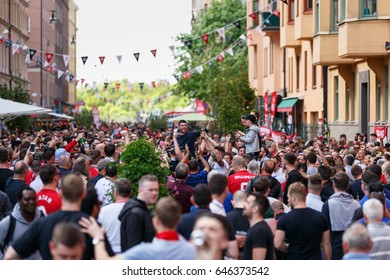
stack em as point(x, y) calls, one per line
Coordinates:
point(32, 148)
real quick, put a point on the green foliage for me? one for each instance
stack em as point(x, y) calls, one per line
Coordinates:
point(84, 118)
point(139, 159)
point(158, 122)
point(223, 85)
point(123, 104)
point(18, 93)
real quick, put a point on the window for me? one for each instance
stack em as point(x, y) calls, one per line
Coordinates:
point(334, 15)
point(368, 8)
point(314, 76)
point(265, 62)
point(255, 62)
point(352, 95)
point(255, 9)
point(291, 11)
point(378, 99)
point(343, 10)
point(28, 24)
point(305, 70)
point(336, 97)
point(297, 9)
point(308, 5)
point(298, 61)
point(271, 57)
point(347, 102)
point(317, 17)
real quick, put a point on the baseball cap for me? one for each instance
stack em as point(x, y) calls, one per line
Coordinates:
point(102, 164)
point(58, 153)
point(251, 118)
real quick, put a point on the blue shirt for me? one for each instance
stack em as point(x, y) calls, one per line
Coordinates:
point(365, 198)
point(197, 178)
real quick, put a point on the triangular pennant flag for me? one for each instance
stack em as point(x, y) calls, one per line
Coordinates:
point(136, 55)
point(59, 73)
point(176, 77)
point(105, 85)
point(49, 57)
point(210, 63)
point(230, 51)
point(71, 77)
point(237, 24)
point(5, 31)
point(249, 36)
point(84, 59)
point(253, 15)
point(153, 84)
point(82, 81)
point(102, 58)
point(172, 48)
point(54, 65)
point(221, 33)
point(27, 60)
point(39, 61)
point(205, 38)
point(141, 86)
point(25, 48)
point(66, 59)
point(242, 37)
point(199, 69)
point(187, 74)
point(154, 52)
point(8, 44)
point(119, 57)
point(15, 47)
point(46, 64)
point(117, 85)
point(77, 82)
point(188, 43)
point(284, 1)
point(276, 13)
point(221, 57)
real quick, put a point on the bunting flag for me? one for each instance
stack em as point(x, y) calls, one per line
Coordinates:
point(136, 55)
point(172, 48)
point(49, 57)
point(5, 31)
point(46, 64)
point(117, 85)
point(54, 65)
point(153, 84)
point(188, 43)
point(66, 59)
point(242, 37)
point(205, 38)
point(71, 77)
point(8, 44)
point(210, 63)
point(119, 58)
point(154, 52)
point(27, 60)
point(15, 48)
point(253, 15)
point(266, 109)
point(39, 61)
point(273, 107)
point(59, 73)
point(276, 13)
point(221, 33)
point(84, 59)
point(1, 40)
point(176, 77)
point(284, 1)
point(199, 69)
point(105, 85)
point(230, 51)
point(141, 86)
point(102, 58)
point(82, 81)
point(221, 57)
point(237, 24)
point(249, 37)
point(187, 74)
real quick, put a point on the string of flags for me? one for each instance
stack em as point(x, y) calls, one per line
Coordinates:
point(43, 59)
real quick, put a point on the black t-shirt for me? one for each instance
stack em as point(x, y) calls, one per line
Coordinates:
point(238, 221)
point(37, 237)
point(293, 177)
point(259, 236)
point(12, 188)
point(303, 228)
point(5, 173)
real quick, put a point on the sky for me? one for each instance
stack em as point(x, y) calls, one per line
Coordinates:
point(123, 27)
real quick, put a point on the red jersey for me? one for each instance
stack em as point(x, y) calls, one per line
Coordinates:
point(48, 201)
point(239, 180)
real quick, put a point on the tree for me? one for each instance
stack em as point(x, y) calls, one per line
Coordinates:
point(18, 93)
point(215, 85)
point(84, 118)
point(158, 122)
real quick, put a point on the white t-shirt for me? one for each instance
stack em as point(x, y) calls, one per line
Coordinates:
point(108, 217)
point(37, 184)
point(103, 186)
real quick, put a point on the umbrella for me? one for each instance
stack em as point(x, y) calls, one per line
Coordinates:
point(193, 117)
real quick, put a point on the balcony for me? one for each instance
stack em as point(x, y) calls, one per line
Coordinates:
point(363, 38)
point(270, 22)
point(304, 27)
point(325, 50)
point(287, 36)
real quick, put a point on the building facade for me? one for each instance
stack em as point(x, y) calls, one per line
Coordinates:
point(332, 62)
point(14, 24)
point(72, 35)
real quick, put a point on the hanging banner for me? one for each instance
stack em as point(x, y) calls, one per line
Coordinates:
point(275, 135)
point(49, 56)
point(205, 38)
point(66, 59)
point(380, 131)
point(273, 106)
point(95, 113)
point(154, 52)
point(266, 109)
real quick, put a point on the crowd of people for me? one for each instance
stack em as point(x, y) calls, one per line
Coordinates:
point(242, 196)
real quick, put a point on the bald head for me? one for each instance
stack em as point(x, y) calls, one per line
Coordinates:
point(20, 169)
point(239, 198)
point(239, 162)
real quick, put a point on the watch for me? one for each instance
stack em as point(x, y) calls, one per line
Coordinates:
point(97, 240)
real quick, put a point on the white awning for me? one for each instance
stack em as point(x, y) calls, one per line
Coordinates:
point(11, 109)
point(61, 116)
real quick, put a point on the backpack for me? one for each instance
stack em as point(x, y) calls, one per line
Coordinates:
point(10, 232)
